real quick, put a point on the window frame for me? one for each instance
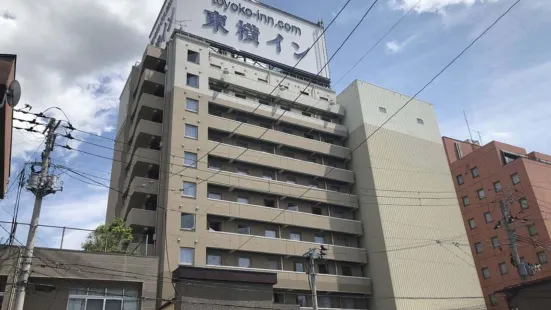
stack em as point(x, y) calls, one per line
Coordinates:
point(291, 234)
point(192, 257)
point(523, 206)
point(484, 274)
point(240, 199)
point(473, 169)
point(295, 264)
point(214, 193)
point(496, 189)
point(515, 176)
point(495, 244)
point(542, 262)
point(244, 258)
point(198, 60)
point(194, 189)
point(317, 237)
point(478, 247)
point(182, 221)
point(467, 200)
point(192, 165)
point(458, 178)
point(473, 222)
point(91, 293)
point(483, 196)
point(270, 230)
point(503, 271)
point(190, 126)
point(188, 76)
point(214, 255)
point(486, 215)
point(188, 100)
point(532, 230)
point(244, 226)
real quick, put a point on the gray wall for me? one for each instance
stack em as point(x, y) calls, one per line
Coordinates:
point(65, 268)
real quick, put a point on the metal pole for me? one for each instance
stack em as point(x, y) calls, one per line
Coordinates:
point(62, 237)
point(468, 127)
point(521, 268)
point(41, 191)
point(311, 257)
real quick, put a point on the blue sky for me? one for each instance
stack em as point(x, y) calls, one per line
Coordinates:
point(502, 82)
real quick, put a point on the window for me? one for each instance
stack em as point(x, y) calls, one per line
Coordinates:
point(316, 210)
point(242, 171)
point(244, 229)
point(304, 93)
point(291, 179)
point(263, 80)
point(270, 233)
point(264, 101)
point(242, 96)
point(319, 239)
point(515, 178)
point(214, 260)
point(382, 110)
point(493, 300)
point(186, 256)
point(474, 172)
point(279, 298)
point(295, 236)
point(420, 121)
point(187, 221)
point(346, 271)
point(328, 141)
point(192, 80)
point(497, 186)
point(503, 268)
point(268, 175)
point(292, 207)
point(308, 136)
point(324, 99)
point(488, 217)
point(244, 262)
point(460, 180)
point(213, 195)
point(191, 132)
point(338, 214)
point(189, 189)
point(285, 108)
point(215, 66)
point(480, 193)
point(486, 272)
point(495, 242)
point(192, 105)
point(301, 300)
point(325, 302)
point(215, 226)
point(273, 264)
point(472, 224)
point(190, 159)
point(307, 114)
point(466, 201)
point(269, 203)
point(479, 248)
point(193, 56)
point(326, 119)
point(532, 230)
point(348, 303)
point(322, 268)
point(299, 267)
point(101, 298)
point(542, 257)
point(523, 203)
point(244, 200)
point(239, 73)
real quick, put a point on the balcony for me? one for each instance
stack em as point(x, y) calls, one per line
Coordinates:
point(277, 246)
point(151, 82)
point(143, 185)
point(282, 93)
point(279, 188)
point(248, 106)
point(280, 162)
point(145, 126)
point(146, 104)
point(141, 218)
point(278, 137)
point(325, 283)
point(143, 155)
point(251, 212)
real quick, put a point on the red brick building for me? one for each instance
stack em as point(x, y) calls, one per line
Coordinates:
point(481, 175)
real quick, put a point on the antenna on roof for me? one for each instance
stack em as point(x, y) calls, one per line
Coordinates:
point(468, 127)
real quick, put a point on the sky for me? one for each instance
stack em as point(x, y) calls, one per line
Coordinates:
point(76, 55)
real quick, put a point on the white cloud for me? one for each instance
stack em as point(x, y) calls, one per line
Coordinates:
point(395, 46)
point(74, 55)
point(438, 6)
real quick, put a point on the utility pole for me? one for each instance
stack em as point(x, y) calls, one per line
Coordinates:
point(507, 220)
point(41, 184)
point(311, 257)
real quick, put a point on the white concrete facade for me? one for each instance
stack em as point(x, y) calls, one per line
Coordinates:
point(407, 202)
